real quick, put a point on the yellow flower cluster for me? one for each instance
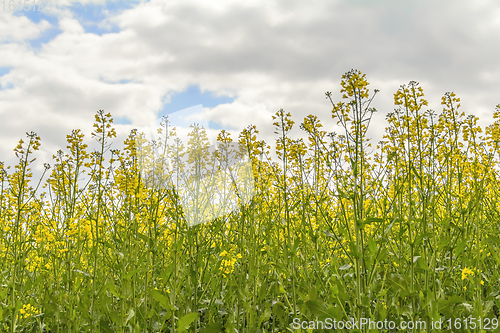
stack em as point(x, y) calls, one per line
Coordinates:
point(28, 310)
point(466, 272)
point(227, 264)
point(354, 82)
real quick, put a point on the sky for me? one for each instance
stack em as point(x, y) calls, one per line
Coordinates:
point(240, 60)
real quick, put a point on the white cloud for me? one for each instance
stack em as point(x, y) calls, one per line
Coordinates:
point(17, 29)
point(267, 54)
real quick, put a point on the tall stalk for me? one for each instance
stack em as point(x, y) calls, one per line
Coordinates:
point(354, 142)
point(284, 125)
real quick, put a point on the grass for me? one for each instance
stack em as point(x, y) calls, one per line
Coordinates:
point(333, 229)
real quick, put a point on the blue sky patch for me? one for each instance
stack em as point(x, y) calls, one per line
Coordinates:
point(122, 121)
point(193, 96)
point(93, 17)
point(216, 126)
point(4, 70)
point(45, 37)
point(36, 16)
point(123, 81)
point(7, 86)
point(187, 117)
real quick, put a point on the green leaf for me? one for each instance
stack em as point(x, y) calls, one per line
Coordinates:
point(460, 247)
point(354, 250)
point(185, 321)
point(446, 307)
point(329, 234)
point(295, 205)
point(382, 254)
point(421, 237)
point(317, 309)
point(389, 227)
point(369, 220)
point(160, 298)
point(112, 289)
point(114, 316)
point(313, 293)
point(295, 246)
point(443, 242)
point(422, 264)
point(105, 326)
point(345, 267)
point(167, 272)
point(372, 246)
point(265, 316)
point(131, 314)
point(214, 328)
point(398, 284)
point(142, 237)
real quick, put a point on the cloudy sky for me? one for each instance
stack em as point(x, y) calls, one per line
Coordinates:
point(242, 60)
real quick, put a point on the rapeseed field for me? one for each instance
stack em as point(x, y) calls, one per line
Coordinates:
point(406, 230)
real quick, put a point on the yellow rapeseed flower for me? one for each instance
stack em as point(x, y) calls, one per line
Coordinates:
point(28, 310)
point(466, 272)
